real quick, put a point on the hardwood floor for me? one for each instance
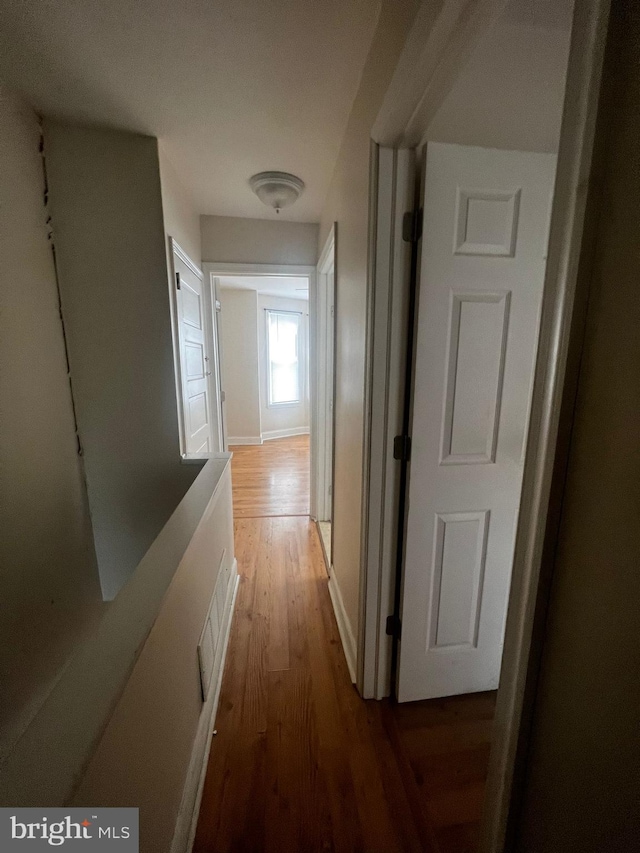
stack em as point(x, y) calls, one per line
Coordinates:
point(442, 747)
point(271, 478)
point(300, 762)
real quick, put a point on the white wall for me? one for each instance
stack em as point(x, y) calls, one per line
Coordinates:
point(105, 199)
point(100, 702)
point(348, 205)
point(181, 221)
point(49, 587)
point(510, 93)
point(240, 375)
point(228, 239)
point(581, 785)
point(160, 725)
point(283, 419)
point(124, 720)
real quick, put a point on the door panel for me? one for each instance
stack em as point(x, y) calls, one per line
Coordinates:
point(194, 360)
point(481, 275)
point(478, 324)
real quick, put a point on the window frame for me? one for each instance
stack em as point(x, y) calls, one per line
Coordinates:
point(300, 400)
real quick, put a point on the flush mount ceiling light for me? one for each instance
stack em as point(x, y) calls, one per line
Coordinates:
point(276, 189)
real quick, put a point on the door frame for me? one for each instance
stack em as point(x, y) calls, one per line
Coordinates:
point(393, 189)
point(212, 326)
point(402, 122)
point(216, 269)
point(435, 49)
point(176, 251)
point(323, 320)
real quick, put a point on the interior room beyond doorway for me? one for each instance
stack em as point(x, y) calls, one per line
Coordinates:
point(264, 342)
point(264, 339)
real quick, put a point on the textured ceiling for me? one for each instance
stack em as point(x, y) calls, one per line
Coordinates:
point(232, 87)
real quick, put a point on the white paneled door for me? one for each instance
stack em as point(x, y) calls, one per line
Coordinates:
point(485, 231)
point(195, 362)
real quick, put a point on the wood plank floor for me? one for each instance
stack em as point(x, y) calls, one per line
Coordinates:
point(300, 762)
point(271, 478)
point(442, 747)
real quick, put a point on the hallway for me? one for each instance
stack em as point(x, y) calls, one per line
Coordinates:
point(300, 762)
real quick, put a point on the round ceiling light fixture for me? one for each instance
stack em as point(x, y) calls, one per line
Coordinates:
point(276, 189)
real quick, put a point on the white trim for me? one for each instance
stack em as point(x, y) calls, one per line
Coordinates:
point(244, 439)
point(393, 185)
point(271, 434)
point(188, 813)
point(215, 269)
point(180, 252)
point(216, 311)
point(279, 270)
point(327, 255)
point(344, 627)
point(216, 426)
point(327, 561)
point(322, 312)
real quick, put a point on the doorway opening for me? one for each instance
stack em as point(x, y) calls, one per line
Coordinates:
point(263, 322)
point(260, 333)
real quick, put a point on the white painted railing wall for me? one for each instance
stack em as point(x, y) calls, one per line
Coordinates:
point(126, 724)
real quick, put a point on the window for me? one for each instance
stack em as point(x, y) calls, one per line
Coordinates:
point(283, 357)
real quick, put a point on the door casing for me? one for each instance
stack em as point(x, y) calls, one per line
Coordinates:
point(403, 118)
point(212, 270)
point(323, 319)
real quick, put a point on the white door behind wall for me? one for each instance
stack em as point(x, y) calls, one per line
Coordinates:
point(485, 231)
point(194, 359)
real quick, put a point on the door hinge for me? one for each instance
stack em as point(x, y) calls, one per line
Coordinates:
point(402, 448)
point(178, 281)
point(394, 626)
point(412, 226)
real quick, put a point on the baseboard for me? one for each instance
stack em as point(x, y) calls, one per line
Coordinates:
point(244, 439)
point(283, 433)
point(187, 820)
point(344, 627)
point(327, 561)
